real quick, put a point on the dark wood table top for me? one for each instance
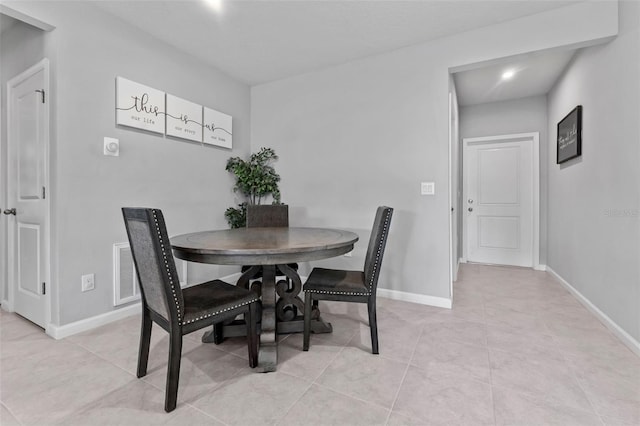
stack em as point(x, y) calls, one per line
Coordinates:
point(262, 246)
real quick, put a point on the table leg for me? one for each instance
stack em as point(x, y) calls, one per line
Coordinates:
point(268, 352)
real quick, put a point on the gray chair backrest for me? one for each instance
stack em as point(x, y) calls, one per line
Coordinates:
point(268, 215)
point(377, 243)
point(152, 255)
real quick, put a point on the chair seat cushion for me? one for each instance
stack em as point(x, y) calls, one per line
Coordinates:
point(337, 281)
point(212, 298)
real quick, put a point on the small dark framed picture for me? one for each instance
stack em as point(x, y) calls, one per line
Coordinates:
point(570, 136)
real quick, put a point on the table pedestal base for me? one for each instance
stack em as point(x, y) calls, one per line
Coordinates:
point(238, 329)
point(276, 318)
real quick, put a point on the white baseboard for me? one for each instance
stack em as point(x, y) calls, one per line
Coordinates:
point(62, 331)
point(232, 278)
point(6, 306)
point(625, 337)
point(423, 299)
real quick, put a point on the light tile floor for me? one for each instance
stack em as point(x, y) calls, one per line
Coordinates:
point(515, 349)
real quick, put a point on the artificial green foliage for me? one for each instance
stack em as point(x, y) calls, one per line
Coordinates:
point(237, 217)
point(255, 179)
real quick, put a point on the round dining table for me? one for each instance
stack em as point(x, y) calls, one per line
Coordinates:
point(268, 250)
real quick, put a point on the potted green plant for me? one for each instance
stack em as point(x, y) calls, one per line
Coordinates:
point(256, 179)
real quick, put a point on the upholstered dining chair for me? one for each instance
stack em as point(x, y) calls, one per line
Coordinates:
point(178, 311)
point(351, 286)
point(271, 216)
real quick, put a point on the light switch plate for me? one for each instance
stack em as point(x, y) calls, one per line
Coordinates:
point(427, 188)
point(111, 147)
point(88, 282)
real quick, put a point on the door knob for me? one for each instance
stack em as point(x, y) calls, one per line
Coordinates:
point(470, 201)
point(470, 209)
point(10, 211)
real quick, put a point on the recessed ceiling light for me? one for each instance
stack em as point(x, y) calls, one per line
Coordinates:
point(216, 5)
point(508, 74)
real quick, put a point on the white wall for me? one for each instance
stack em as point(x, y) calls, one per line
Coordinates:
point(350, 138)
point(594, 200)
point(508, 117)
point(368, 132)
point(186, 180)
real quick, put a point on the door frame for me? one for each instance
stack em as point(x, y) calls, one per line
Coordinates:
point(8, 304)
point(534, 138)
point(454, 261)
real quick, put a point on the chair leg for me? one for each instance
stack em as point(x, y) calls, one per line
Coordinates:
point(307, 321)
point(373, 324)
point(145, 343)
point(218, 333)
point(250, 318)
point(173, 369)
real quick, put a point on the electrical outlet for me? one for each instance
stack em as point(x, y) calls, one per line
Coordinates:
point(88, 282)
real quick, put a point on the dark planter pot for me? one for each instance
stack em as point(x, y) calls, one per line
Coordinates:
point(267, 215)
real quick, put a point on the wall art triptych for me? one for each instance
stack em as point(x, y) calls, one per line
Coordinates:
point(153, 110)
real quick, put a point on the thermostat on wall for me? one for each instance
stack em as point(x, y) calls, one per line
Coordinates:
point(111, 147)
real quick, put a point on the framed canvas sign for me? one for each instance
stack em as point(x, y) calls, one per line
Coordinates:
point(570, 136)
point(217, 128)
point(184, 119)
point(139, 106)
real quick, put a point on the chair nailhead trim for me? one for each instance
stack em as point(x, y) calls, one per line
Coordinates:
point(375, 264)
point(219, 312)
point(166, 265)
point(339, 292)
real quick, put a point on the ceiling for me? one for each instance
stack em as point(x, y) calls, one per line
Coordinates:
point(262, 41)
point(535, 74)
point(266, 40)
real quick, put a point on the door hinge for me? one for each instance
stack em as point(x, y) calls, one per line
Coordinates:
point(42, 92)
point(44, 288)
point(43, 193)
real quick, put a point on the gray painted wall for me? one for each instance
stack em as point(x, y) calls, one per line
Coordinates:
point(21, 46)
point(350, 138)
point(186, 180)
point(594, 200)
point(518, 116)
point(368, 132)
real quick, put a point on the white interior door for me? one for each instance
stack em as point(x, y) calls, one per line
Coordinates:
point(28, 130)
point(500, 198)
